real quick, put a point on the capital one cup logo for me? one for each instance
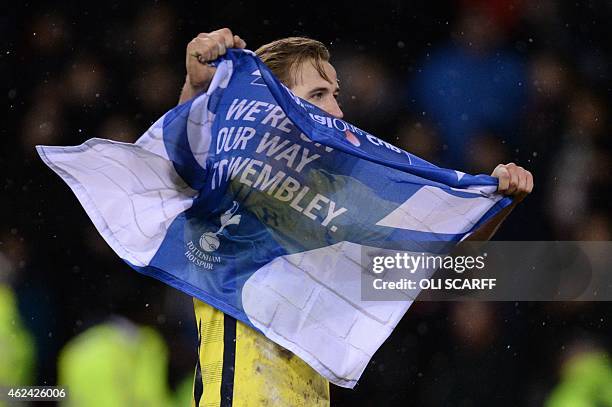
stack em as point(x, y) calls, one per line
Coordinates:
point(209, 241)
point(352, 138)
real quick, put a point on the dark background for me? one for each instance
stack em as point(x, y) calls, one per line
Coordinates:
point(466, 84)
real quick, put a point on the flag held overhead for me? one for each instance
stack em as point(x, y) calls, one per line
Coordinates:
point(259, 203)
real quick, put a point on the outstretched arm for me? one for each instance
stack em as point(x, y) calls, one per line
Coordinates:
point(514, 181)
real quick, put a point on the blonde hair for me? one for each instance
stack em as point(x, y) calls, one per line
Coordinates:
point(285, 56)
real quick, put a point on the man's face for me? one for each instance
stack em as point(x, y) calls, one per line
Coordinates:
point(309, 85)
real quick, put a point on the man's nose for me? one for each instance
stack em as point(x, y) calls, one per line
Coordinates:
point(334, 109)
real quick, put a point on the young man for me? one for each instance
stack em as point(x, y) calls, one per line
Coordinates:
point(237, 366)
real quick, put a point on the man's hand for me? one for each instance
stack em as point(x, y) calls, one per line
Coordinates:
point(202, 49)
point(513, 180)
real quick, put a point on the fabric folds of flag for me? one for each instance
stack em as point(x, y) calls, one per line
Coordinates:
point(259, 203)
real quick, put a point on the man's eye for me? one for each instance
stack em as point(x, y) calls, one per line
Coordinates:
point(318, 95)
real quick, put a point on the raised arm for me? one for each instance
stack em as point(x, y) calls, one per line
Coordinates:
point(202, 49)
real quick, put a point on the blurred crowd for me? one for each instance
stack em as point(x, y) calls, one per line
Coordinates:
point(464, 84)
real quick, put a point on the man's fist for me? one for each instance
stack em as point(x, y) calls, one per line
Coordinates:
point(202, 49)
point(513, 180)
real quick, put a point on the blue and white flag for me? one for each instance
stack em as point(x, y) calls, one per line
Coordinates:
point(258, 203)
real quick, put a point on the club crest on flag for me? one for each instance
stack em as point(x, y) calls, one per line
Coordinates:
point(209, 241)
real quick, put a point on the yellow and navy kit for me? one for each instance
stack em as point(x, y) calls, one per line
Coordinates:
point(238, 366)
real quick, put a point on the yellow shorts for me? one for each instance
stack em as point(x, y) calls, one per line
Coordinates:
point(238, 366)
